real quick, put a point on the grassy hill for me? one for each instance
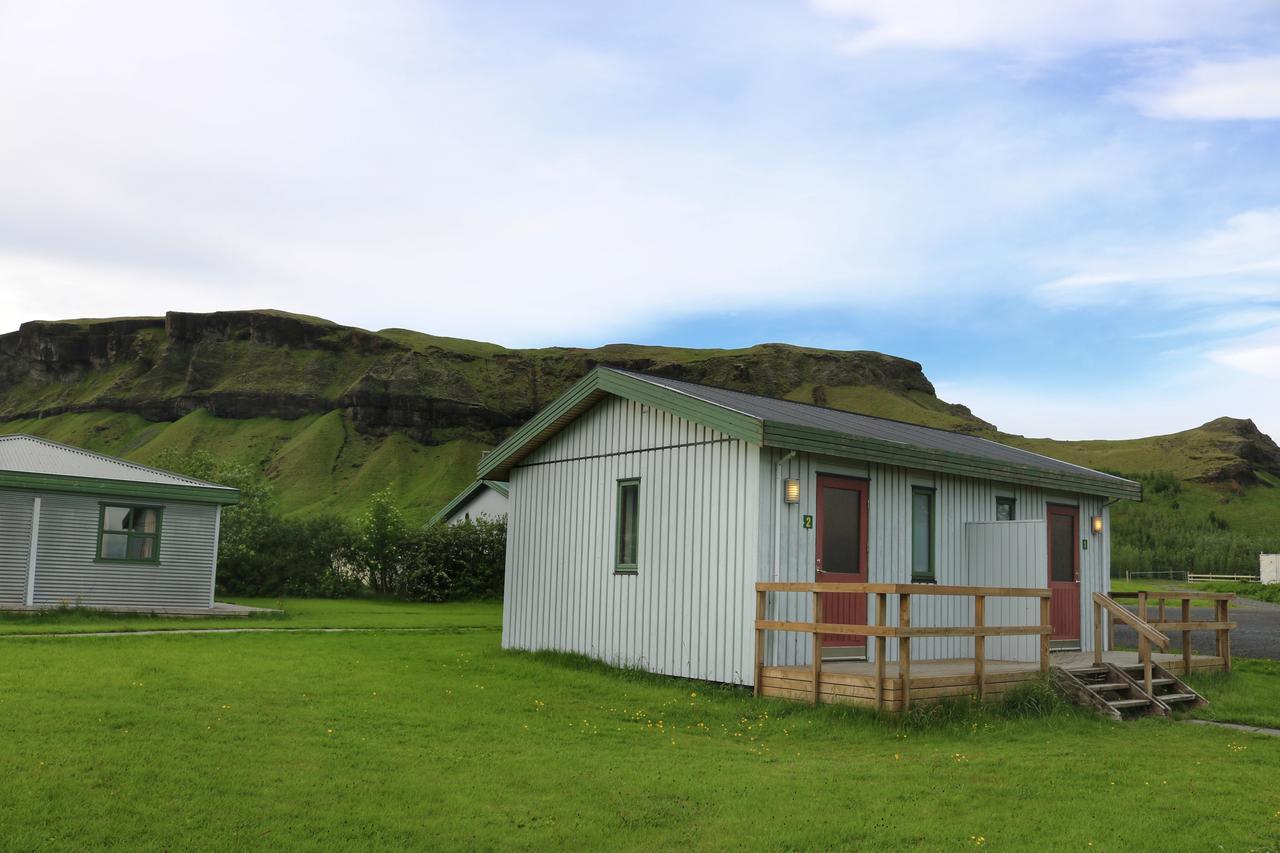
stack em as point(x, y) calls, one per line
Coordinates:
point(331, 414)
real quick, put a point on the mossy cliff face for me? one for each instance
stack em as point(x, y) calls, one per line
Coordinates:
point(332, 413)
point(247, 364)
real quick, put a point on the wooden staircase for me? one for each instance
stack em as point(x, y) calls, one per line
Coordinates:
point(1131, 690)
point(1119, 692)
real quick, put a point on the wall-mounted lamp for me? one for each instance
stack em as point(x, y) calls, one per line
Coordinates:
point(1095, 524)
point(791, 491)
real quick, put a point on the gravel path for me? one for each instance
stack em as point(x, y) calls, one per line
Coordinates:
point(1257, 637)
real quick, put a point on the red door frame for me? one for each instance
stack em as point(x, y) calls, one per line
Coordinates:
point(1064, 596)
point(845, 607)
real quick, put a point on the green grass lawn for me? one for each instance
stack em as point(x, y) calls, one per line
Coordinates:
point(441, 740)
point(1249, 694)
point(297, 613)
point(1122, 585)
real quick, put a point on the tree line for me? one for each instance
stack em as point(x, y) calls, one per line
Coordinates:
point(263, 553)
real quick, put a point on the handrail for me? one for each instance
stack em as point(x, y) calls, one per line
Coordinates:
point(903, 589)
point(1142, 626)
point(1166, 594)
point(903, 631)
point(1221, 623)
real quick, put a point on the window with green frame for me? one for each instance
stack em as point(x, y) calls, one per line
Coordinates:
point(922, 565)
point(129, 534)
point(627, 552)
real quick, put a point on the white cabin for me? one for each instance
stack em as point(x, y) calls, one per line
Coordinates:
point(643, 511)
point(483, 499)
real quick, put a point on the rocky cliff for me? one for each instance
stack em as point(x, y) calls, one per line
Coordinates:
point(248, 364)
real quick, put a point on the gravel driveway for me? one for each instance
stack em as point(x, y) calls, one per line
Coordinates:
point(1257, 637)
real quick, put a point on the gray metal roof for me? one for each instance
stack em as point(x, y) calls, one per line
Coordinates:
point(865, 426)
point(26, 454)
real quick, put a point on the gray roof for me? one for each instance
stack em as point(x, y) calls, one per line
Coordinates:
point(866, 426)
point(26, 454)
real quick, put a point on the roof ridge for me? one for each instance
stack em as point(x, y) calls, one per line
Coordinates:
point(113, 459)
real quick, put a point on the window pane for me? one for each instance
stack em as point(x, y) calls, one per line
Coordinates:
point(144, 521)
point(921, 534)
point(628, 519)
point(1062, 548)
point(115, 518)
point(141, 547)
point(1005, 509)
point(114, 546)
point(841, 530)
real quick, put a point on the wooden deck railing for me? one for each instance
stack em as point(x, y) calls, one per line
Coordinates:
point(903, 631)
point(1221, 622)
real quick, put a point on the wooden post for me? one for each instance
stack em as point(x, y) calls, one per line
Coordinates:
point(817, 645)
point(1144, 645)
point(1144, 652)
point(1223, 612)
point(1111, 630)
point(1097, 634)
point(1045, 622)
point(882, 646)
point(1186, 637)
point(760, 615)
point(979, 643)
point(1160, 608)
point(904, 648)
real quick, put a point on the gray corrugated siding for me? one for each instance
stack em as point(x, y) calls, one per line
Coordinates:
point(959, 501)
point(15, 545)
point(67, 574)
point(687, 610)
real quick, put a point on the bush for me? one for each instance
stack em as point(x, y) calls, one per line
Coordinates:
point(455, 562)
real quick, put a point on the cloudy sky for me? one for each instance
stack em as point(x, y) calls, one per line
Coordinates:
point(1067, 210)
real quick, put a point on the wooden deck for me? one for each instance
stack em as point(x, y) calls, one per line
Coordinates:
point(854, 682)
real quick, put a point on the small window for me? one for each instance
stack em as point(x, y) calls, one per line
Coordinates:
point(129, 534)
point(922, 534)
point(628, 545)
point(1006, 509)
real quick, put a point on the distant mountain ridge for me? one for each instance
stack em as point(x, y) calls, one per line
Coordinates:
point(331, 412)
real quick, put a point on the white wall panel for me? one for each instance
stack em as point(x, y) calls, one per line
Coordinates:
point(687, 611)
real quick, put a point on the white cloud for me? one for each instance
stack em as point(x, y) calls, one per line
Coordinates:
point(1238, 261)
point(1246, 88)
point(1038, 26)
point(394, 167)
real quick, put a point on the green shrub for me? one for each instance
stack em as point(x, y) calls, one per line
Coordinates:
point(455, 562)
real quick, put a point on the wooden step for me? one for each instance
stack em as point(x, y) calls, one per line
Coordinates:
point(1129, 703)
point(1090, 670)
point(1107, 685)
point(1178, 697)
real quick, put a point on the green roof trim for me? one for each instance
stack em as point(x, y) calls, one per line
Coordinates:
point(466, 495)
point(222, 496)
point(587, 392)
point(761, 429)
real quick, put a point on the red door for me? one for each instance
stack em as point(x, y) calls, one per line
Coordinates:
point(842, 554)
point(1064, 571)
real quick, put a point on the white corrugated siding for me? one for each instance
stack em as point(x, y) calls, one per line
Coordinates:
point(1008, 553)
point(687, 611)
point(958, 502)
point(67, 574)
point(15, 545)
point(485, 503)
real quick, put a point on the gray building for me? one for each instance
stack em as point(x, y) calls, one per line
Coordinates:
point(643, 511)
point(82, 529)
